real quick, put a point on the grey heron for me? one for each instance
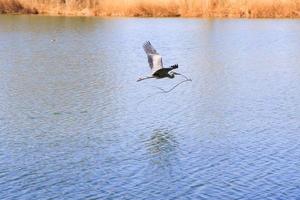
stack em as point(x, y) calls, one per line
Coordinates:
point(156, 64)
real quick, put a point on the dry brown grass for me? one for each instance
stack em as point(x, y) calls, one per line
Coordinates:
point(15, 6)
point(160, 8)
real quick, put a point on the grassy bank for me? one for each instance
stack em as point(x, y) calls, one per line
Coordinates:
point(159, 8)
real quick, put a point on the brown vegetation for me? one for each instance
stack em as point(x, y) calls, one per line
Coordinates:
point(15, 6)
point(159, 8)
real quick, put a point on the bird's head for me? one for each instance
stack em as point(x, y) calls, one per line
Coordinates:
point(172, 74)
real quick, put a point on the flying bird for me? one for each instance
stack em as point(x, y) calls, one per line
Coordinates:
point(156, 65)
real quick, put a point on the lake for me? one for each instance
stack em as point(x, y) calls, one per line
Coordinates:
point(75, 124)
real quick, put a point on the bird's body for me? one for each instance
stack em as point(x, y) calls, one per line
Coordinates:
point(156, 64)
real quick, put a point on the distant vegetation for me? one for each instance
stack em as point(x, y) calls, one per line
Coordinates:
point(159, 8)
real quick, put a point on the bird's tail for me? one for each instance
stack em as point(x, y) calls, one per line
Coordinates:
point(174, 66)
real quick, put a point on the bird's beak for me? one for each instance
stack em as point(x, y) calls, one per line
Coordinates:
point(188, 79)
point(176, 73)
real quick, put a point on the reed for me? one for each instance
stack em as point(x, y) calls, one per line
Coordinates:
point(15, 6)
point(157, 8)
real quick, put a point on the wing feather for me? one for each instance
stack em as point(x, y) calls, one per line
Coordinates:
point(148, 48)
point(154, 59)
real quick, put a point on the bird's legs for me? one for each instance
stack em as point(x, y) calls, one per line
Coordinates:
point(144, 78)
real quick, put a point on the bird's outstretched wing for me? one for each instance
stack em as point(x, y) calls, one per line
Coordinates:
point(154, 59)
point(149, 49)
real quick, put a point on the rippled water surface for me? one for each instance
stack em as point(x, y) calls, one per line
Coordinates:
point(75, 124)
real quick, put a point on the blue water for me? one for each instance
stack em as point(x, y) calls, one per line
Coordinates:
point(75, 124)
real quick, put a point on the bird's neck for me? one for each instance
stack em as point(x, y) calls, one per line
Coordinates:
point(171, 75)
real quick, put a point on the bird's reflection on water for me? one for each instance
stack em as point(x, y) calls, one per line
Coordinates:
point(162, 148)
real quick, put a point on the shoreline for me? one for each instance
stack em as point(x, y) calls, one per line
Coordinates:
point(145, 17)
